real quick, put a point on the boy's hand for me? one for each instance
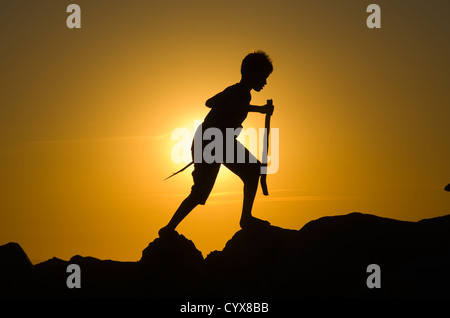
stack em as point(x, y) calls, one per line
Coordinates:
point(267, 109)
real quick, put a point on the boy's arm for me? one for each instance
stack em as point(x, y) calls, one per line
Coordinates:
point(266, 109)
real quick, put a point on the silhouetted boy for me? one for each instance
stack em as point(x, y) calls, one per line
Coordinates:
point(228, 110)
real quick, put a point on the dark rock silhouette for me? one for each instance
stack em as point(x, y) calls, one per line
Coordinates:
point(170, 266)
point(251, 262)
point(15, 268)
point(341, 247)
point(170, 250)
point(327, 257)
point(13, 261)
point(447, 187)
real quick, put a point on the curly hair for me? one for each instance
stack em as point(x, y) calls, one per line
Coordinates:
point(256, 62)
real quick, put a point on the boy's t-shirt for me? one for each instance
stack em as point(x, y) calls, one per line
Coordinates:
point(229, 108)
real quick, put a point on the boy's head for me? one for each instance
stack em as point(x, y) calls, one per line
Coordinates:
point(256, 68)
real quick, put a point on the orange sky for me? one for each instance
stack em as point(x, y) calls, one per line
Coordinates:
point(86, 116)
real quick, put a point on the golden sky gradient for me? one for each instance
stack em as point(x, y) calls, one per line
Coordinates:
point(87, 114)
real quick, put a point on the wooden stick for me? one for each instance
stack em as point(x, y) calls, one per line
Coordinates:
point(265, 151)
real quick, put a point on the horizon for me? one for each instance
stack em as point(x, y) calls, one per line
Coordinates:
point(87, 117)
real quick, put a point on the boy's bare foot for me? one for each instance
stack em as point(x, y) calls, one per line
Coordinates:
point(252, 222)
point(166, 232)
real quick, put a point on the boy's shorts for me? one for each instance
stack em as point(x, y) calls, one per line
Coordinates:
point(205, 174)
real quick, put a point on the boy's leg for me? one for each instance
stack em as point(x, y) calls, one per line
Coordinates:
point(249, 172)
point(204, 176)
point(250, 189)
point(183, 210)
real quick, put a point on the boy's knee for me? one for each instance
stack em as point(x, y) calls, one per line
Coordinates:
point(198, 198)
point(253, 175)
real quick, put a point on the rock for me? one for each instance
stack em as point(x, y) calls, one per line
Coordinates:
point(250, 262)
point(50, 277)
point(14, 262)
point(175, 249)
point(170, 266)
point(331, 254)
point(15, 268)
point(328, 257)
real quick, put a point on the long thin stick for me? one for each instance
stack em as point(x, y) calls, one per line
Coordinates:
point(265, 151)
point(181, 170)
